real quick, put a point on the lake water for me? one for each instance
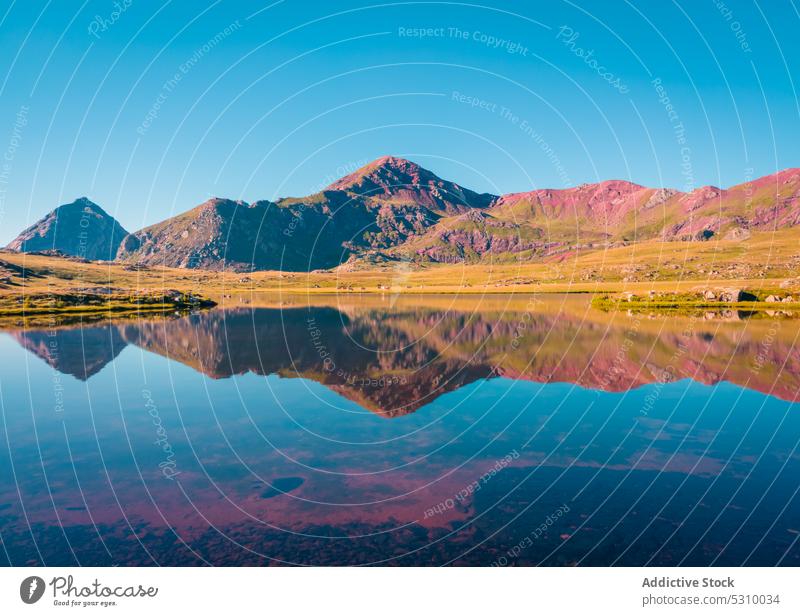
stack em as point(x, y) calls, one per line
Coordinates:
point(402, 431)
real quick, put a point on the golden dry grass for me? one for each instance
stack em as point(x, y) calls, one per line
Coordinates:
point(764, 261)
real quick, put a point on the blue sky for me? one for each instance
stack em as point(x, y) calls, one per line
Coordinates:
point(150, 110)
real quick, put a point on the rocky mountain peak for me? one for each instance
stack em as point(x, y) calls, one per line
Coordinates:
point(399, 180)
point(384, 174)
point(81, 229)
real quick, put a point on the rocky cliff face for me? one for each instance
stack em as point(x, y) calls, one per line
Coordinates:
point(81, 229)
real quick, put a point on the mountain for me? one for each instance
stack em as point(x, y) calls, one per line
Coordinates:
point(624, 211)
point(290, 235)
point(378, 207)
point(212, 234)
point(542, 222)
point(81, 229)
point(394, 210)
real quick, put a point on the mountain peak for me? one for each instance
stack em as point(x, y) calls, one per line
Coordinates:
point(382, 169)
point(395, 162)
point(391, 160)
point(399, 180)
point(81, 202)
point(80, 228)
point(215, 203)
point(621, 186)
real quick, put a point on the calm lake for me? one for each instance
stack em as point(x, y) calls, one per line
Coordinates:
point(402, 431)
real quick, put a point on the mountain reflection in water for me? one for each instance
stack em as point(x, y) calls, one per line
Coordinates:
point(260, 436)
point(394, 363)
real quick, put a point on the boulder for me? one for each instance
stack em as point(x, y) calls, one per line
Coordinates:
point(737, 234)
point(736, 295)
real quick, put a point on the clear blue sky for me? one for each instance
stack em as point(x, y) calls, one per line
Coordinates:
point(295, 93)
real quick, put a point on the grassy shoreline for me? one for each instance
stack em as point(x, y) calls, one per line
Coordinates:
point(87, 304)
point(687, 303)
point(50, 284)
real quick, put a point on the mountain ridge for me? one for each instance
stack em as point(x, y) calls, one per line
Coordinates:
point(394, 209)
